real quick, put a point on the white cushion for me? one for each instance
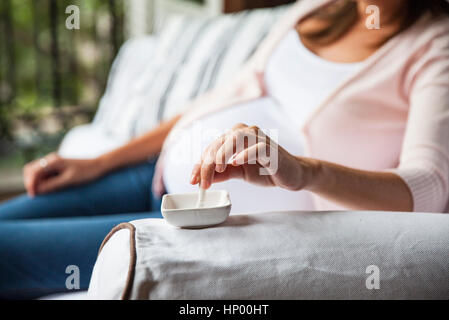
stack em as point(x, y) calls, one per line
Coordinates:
point(291, 255)
point(89, 141)
point(113, 124)
point(131, 74)
point(154, 77)
point(195, 55)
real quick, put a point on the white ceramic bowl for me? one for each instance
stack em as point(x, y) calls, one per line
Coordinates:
point(180, 210)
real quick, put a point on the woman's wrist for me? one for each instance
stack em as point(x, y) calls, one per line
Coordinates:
point(103, 164)
point(311, 173)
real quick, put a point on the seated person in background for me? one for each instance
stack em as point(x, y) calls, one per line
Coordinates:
point(361, 117)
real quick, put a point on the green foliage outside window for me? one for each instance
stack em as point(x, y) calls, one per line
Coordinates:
point(46, 69)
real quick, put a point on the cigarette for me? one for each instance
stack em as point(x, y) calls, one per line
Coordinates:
point(201, 197)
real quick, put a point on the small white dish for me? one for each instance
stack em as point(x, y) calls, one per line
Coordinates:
point(180, 210)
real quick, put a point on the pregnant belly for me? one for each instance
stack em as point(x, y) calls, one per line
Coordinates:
point(246, 198)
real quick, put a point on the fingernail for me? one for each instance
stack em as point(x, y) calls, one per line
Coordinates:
point(219, 168)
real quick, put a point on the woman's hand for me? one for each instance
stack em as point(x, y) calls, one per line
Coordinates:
point(53, 173)
point(244, 151)
point(247, 153)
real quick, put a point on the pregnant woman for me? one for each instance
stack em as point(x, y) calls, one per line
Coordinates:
point(358, 118)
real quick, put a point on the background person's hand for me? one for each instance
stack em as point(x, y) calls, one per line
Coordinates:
point(53, 173)
point(241, 153)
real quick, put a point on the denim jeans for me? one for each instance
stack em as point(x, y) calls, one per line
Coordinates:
point(41, 237)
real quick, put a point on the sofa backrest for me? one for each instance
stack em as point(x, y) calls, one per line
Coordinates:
point(154, 78)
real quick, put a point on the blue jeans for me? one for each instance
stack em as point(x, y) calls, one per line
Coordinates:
point(41, 237)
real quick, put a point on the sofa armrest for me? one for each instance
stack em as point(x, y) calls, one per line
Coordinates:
point(289, 255)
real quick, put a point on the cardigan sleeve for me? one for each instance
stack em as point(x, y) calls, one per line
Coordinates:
point(424, 160)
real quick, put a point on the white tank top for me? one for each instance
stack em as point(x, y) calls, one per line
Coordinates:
point(297, 81)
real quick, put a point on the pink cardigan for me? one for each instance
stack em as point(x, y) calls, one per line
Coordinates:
point(392, 115)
